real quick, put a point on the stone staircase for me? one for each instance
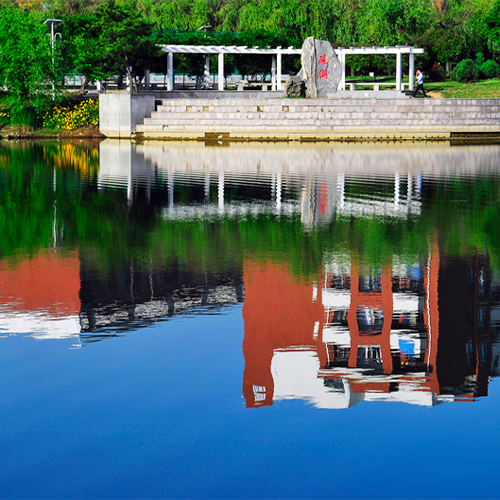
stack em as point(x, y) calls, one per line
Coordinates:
point(321, 118)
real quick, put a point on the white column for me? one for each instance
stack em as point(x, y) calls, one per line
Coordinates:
point(207, 187)
point(397, 183)
point(221, 192)
point(342, 61)
point(221, 72)
point(412, 70)
point(206, 74)
point(273, 73)
point(409, 191)
point(170, 71)
point(278, 64)
point(170, 190)
point(98, 86)
point(398, 71)
point(278, 193)
point(340, 191)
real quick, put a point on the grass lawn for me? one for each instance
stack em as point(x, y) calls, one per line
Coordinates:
point(481, 88)
point(448, 88)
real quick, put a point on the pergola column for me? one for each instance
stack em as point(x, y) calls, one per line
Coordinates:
point(412, 70)
point(221, 192)
point(273, 73)
point(221, 71)
point(278, 193)
point(170, 71)
point(397, 187)
point(398, 71)
point(278, 76)
point(342, 62)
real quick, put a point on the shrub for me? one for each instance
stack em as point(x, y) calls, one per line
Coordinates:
point(70, 118)
point(490, 69)
point(4, 116)
point(466, 71)
point(25, 115)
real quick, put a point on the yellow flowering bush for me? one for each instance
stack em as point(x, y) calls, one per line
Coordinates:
point(4, 116)
point(74, 157)
point(70, 118)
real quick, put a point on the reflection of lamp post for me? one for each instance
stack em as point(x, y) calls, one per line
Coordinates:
point(53, 36)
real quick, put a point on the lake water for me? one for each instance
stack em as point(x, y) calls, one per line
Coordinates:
point(253, 320)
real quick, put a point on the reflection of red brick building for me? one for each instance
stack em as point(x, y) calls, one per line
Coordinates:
point(278, 312)
point(48, 282)
point(381, 341)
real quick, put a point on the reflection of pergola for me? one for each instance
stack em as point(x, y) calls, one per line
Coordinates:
point(277, 53)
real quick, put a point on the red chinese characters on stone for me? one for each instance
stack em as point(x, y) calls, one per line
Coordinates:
point(323, 74)
point(322, 59)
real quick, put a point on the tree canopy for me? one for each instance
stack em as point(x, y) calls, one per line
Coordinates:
point(25, 62)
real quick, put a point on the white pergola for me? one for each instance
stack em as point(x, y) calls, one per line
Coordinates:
point(276, 62)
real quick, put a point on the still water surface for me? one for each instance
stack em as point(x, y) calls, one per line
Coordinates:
point(190, 320)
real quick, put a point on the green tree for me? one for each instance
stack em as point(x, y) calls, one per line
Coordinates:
point(492, 22)
point(25, 62)
point(112, 40)
point(83, 50)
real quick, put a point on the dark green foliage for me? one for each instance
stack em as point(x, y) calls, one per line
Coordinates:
point(25, 63)
point(490, 69)
point(492, 23)
point(113, 40)
point(466, 71)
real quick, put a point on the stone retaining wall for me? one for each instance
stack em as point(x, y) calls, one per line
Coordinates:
point(321, 118)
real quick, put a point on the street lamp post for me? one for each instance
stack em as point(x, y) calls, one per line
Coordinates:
point(53, 36)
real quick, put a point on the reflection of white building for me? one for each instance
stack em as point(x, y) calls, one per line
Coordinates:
point(39, 325)
point(318, 180)
point(40, 296)
point(295, 376)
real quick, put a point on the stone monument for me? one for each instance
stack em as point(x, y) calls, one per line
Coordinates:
point(321, 70)
point(295, 86)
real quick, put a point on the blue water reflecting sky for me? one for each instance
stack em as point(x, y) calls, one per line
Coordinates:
point(159, 413)
point(253, 321)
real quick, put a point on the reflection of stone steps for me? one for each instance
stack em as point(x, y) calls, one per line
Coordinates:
point(322, 118)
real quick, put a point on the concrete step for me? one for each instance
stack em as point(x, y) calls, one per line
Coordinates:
point(329, 109)
point(323, 116)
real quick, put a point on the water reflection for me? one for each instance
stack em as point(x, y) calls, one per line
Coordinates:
point(419, 334)
point(367, 271)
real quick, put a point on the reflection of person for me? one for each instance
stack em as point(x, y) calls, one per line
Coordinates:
point(420, 84)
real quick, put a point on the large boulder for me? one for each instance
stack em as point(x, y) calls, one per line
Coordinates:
point(321, 68)
point(294, 86)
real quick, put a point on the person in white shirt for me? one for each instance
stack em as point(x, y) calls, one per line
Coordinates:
point(420, 84)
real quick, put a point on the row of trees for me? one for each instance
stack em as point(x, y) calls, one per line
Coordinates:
point(120, 38)
point(450, 30)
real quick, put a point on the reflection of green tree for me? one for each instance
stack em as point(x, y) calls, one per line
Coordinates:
point(464, 213)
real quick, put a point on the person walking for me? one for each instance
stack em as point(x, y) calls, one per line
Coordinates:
point(420, 84)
